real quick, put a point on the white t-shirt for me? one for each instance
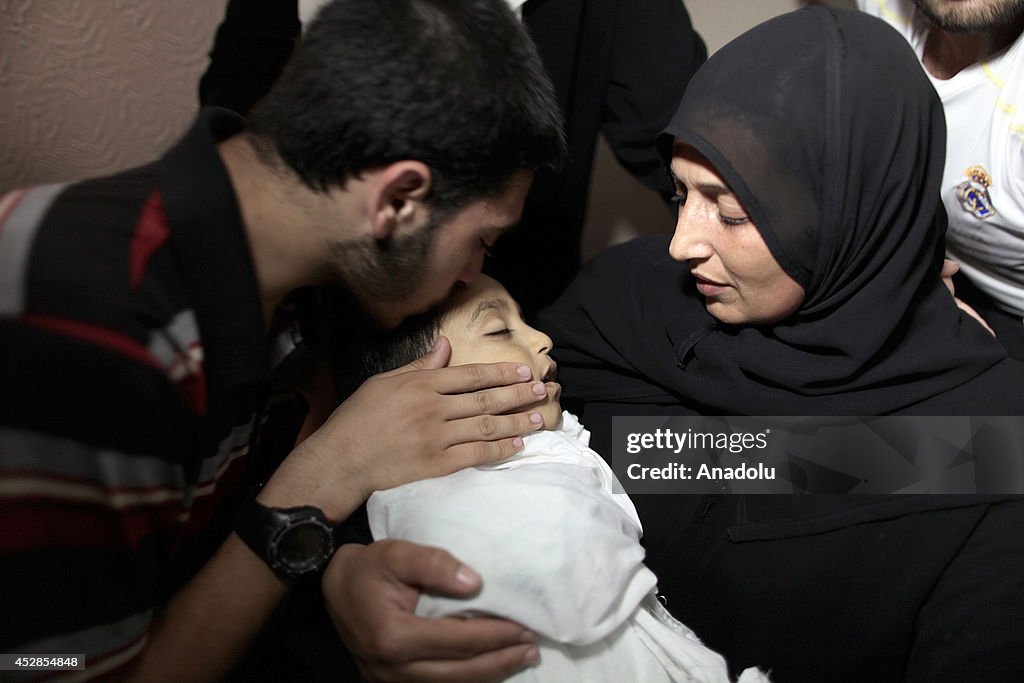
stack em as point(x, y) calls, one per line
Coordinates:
point(983, 182)
point(517, 7)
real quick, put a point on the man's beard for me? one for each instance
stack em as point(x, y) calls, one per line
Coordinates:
point(380, 275)
point(972, 19)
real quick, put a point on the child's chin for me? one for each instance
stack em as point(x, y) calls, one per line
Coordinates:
point(552, 414)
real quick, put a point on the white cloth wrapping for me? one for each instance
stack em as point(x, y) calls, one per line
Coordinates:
point(559, 552)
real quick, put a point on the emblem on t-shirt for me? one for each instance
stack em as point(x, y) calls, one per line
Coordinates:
point(973, 193)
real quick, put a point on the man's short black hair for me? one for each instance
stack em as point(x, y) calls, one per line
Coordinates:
point(456, 84)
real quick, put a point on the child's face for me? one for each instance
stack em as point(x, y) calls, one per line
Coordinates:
point(484, 325)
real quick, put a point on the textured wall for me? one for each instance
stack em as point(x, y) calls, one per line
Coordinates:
point(93, 86)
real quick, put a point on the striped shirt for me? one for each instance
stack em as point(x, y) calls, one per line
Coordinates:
point(134, 368)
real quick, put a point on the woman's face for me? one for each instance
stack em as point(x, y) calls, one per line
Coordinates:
point(737, 274)
point(484, 325)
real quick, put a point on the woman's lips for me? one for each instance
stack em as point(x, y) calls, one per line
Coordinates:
point(709, 287)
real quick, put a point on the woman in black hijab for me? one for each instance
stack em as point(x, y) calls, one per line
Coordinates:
point(803, 279)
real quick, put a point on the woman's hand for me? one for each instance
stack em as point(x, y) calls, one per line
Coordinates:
point(949, 269)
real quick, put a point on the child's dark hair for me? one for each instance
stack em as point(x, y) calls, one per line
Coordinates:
point(357, 359)
point(409, 341)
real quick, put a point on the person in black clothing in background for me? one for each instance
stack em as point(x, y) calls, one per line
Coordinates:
point(619, 68)
point(251, 48)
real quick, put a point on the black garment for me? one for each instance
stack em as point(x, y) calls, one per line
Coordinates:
point(618, 67)
point(832, 141)
point(846, 588)
point(252, 46)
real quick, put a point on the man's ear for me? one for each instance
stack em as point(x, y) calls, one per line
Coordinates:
point(397, 197)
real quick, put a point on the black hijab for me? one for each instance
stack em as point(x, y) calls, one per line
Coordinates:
point(824, 125)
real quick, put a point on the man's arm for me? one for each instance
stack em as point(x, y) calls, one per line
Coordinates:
point(420, 421)
point(210, 622)
point(371, 594)
point(252, 46)
point(655, 53)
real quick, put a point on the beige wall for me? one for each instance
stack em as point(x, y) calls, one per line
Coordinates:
point(93, 86)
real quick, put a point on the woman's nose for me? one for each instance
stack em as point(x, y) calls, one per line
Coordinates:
point(689, 241)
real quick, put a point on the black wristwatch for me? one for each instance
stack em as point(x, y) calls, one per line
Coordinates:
point(294, 542)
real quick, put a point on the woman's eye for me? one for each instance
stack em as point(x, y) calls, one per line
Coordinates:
point(729, 220)
point(499, 333)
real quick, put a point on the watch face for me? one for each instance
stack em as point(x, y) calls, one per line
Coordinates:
point(303, 546)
